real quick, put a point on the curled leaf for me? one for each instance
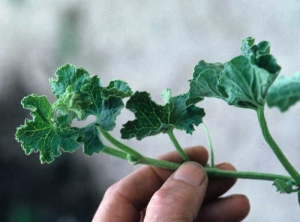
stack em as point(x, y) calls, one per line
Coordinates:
point(242, 82)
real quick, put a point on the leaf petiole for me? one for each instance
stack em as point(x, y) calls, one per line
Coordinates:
point(177, 146)
point(118, 144)
point(212, 157)
point(114, 152)
point(277, 151)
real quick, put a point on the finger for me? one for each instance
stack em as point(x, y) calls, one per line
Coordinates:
point(132, 194)
point(181, 196)
point(232, 208)
point(219, 186)
point(197, 154)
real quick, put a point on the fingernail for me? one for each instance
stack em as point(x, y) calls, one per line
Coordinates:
point(192, 173)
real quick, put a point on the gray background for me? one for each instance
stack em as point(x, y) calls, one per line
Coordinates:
point(155, 45)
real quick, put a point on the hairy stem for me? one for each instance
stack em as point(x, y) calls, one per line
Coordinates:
point(212, 157)
point(177, 146)
point(279, 154)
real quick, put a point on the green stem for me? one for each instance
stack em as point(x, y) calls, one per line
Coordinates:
point(159, 163)
point(114, 152)
point(212, 157)
point(211, 172)
point(135, 157)
point(215, 172)
point(119, 145)
point(177, 146)
point(279, 154)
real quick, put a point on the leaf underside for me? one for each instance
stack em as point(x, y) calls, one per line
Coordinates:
point(242, 82)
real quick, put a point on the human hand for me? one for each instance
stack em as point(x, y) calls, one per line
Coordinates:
point(155, 194)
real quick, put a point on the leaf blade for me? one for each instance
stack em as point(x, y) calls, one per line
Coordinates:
point(41, 134)
point(285, 92)
point(152, 119)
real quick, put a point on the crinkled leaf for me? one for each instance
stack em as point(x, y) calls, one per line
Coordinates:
point(249, 49)
point(245, 84)
point(72, 104)
point(284, 92)
point(68, 76)
point(41, 134)
point(259, 55)
point(71, 101)
point(80, 95)
point(89, 137)
point(117, 88)
point(205, 80)
point(242, 82)
point(203, 66)
point(105, 109)
point(152, 119)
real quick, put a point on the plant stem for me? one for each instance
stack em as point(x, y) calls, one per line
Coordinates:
point(215, 172)
point(211, 172)
point(135, 157)
point(159, 163)
point(279, 154)
point(120, 145)
point(212, 157)
point(177, 146)
point(114, 152)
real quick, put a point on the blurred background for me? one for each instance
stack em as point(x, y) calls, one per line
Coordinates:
point(151, 45)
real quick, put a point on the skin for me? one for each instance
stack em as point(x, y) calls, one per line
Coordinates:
point(155, 194)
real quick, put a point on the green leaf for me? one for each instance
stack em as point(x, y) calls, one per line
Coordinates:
point(89, 137)
point(283, 186)
point(117, 88)
point(71, 101)
point(68, 76)
point(41, 134)
point(71, 104)
point(152, 119)
point(284, 92)
point(203, 66)
point(249, 49)
point(205, 80)
point(245, 84)
point(105, 109)
point(259, 55)
point(80, 96)
point(242, 82)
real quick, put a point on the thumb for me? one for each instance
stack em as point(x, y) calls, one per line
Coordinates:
point(180, 197)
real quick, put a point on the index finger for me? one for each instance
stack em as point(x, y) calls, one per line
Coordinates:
point(124, 200)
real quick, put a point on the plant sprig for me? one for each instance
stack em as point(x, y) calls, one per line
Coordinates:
point(246, 81)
